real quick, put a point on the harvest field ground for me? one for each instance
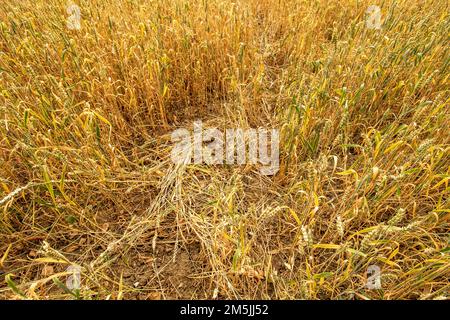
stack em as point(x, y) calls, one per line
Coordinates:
point(87, 182)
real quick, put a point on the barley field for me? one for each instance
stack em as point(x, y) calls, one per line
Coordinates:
point(88, 102)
